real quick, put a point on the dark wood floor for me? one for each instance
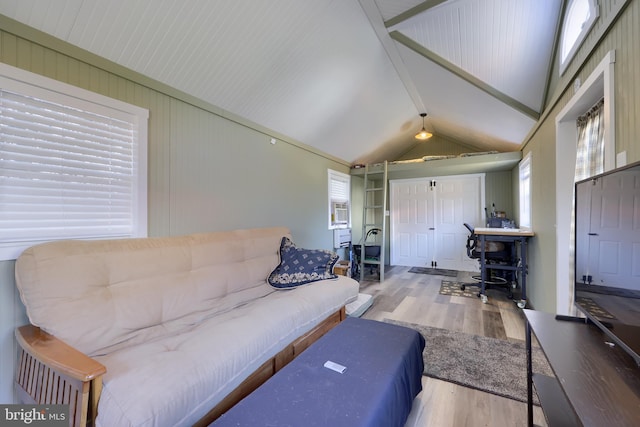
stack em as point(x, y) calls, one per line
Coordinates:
point(415, 298)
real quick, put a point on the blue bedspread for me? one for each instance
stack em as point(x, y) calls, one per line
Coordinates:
point(382, 377)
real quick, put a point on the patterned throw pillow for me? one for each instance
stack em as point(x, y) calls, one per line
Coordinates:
point(301, 266)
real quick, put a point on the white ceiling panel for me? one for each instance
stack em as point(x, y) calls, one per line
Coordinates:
point(504, 43)
point(391, 9)
point(454, 100)
point(326, 72)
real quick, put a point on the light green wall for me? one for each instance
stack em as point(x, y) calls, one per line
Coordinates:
point(623, 37)
point(541, 290)
point(498, 190)
point(208, 171)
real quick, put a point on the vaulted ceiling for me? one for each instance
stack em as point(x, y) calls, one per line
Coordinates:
point(348, 77)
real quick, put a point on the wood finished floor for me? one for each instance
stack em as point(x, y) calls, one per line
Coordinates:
point(415, 298)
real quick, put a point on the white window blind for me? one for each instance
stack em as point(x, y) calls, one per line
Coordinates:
point(339, 199)
point(70, 168)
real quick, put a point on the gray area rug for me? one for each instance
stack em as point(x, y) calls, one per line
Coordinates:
point(436, 271)
point(488, 364)
point(454, 289)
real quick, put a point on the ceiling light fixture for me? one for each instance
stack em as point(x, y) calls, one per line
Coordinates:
point(423, 135)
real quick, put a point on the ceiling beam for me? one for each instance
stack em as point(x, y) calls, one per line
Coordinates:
point(468, 77)
point(425, 5)
point(554, 52)
point(373, 14)
point(416, 10)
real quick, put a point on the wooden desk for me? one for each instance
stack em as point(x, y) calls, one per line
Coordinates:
point(506, 235)
point(595, 384)
point(486, 231)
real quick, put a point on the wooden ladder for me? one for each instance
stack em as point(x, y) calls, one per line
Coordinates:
point(374, 217)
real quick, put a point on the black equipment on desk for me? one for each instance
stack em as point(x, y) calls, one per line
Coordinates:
point(498, 222)
point(496, 253)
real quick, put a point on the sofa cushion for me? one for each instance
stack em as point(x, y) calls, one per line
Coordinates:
point(103, 295)
point(176, 379)
point(301, 266)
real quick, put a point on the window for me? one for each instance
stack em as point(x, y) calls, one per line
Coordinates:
point(579, 18)
point(525, 192)
point(339, 200)
point(72, 164)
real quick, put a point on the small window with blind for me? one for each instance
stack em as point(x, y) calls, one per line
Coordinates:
point(339, 200)
point(72, 164)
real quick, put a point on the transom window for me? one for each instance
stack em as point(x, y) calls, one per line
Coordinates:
point(578, 20)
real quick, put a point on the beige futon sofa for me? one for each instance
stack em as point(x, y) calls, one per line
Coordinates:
point(163, 331)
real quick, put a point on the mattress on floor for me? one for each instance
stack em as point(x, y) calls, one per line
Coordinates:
point(382, 377)
point(359, 306)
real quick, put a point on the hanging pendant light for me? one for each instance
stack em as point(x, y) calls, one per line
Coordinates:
point(423, 135)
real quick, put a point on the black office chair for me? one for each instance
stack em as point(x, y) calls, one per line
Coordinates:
point(494, 253)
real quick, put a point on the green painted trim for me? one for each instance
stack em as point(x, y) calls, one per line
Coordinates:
point(561, 90)
point(554, 52)
point(426, 5)
point(500, 96)
point(48, 41)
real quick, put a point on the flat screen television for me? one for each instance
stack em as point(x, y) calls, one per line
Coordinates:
point(607, 254)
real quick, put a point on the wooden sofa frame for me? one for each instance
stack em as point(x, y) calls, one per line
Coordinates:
point(52, 372)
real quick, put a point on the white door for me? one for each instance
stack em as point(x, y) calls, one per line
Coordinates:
point(613, 252)
point(427, 220)
point(458, 200)
point(412, 224)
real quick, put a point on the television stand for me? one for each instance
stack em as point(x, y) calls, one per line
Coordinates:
point(595, 384)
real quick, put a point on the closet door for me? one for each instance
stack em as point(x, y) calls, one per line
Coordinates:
point(412, 222)
point(458, 200)
point(427, 220)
